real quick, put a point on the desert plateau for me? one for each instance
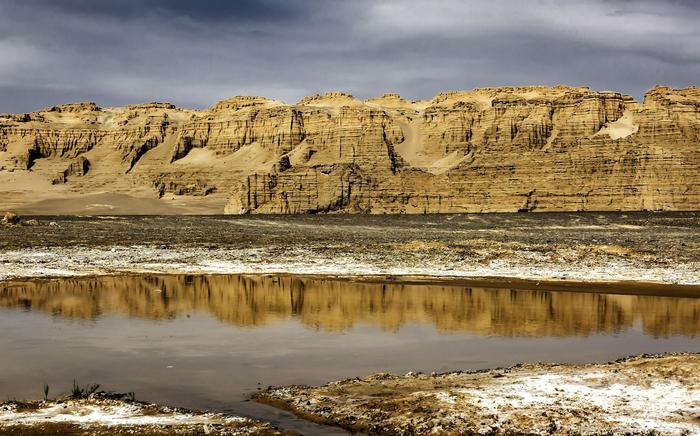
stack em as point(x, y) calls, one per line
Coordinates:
point(505, 149)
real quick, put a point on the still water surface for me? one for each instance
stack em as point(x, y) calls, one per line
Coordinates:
point(208, 342)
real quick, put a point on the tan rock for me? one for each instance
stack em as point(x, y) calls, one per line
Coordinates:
point(10, 218)
point(330, 99)
point(78, 167)
point(489, 149)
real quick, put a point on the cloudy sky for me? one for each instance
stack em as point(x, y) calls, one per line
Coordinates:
point(194, 53)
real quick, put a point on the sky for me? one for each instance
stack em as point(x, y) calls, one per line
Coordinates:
point(194, 53)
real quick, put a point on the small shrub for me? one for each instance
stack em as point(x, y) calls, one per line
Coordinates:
point(79, 392)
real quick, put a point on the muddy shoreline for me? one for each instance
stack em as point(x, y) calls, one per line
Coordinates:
point(646, 394)
point(104, 413)
point(622, 287)
point(637, 395)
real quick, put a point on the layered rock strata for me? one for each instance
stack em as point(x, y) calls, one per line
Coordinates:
point(491, 149)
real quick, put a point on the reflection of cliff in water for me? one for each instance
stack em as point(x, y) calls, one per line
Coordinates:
point(338, 305)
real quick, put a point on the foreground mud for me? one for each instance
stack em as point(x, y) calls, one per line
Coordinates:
point(642, 395)
point(103, 414)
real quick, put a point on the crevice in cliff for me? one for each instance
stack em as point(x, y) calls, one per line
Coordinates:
point(530, 202)
point(133, 155)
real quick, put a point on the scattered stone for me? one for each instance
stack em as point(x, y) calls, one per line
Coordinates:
point(11, 218)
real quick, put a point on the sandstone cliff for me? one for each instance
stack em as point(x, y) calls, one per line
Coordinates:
point(491, 149)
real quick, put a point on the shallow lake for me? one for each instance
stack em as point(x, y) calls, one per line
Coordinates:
point(208, 342)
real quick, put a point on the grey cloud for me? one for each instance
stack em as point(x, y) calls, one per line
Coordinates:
point(195, 53)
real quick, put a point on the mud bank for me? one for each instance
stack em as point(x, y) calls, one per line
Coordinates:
point(633, 396)
point(433, 266)
point(106, 414)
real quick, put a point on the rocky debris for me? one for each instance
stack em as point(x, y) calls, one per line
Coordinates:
point(10, 219)
point(486, 150)
point(108, 414)
point(636, 396)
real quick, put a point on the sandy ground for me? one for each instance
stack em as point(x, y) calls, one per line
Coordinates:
point(642, 395)
point(436, 267)
point(123, 204)
point(108, 414)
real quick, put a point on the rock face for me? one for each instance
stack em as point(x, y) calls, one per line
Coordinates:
point(492, 149)
point(78, 167)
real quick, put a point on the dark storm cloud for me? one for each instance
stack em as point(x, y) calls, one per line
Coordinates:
point(197, 52)
point(209, 11)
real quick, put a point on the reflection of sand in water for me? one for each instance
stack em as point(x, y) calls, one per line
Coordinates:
point(338, 305)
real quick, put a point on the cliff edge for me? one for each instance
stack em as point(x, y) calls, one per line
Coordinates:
point(491, 149)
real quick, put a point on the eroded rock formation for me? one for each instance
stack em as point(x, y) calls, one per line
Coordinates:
point(492, 149)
